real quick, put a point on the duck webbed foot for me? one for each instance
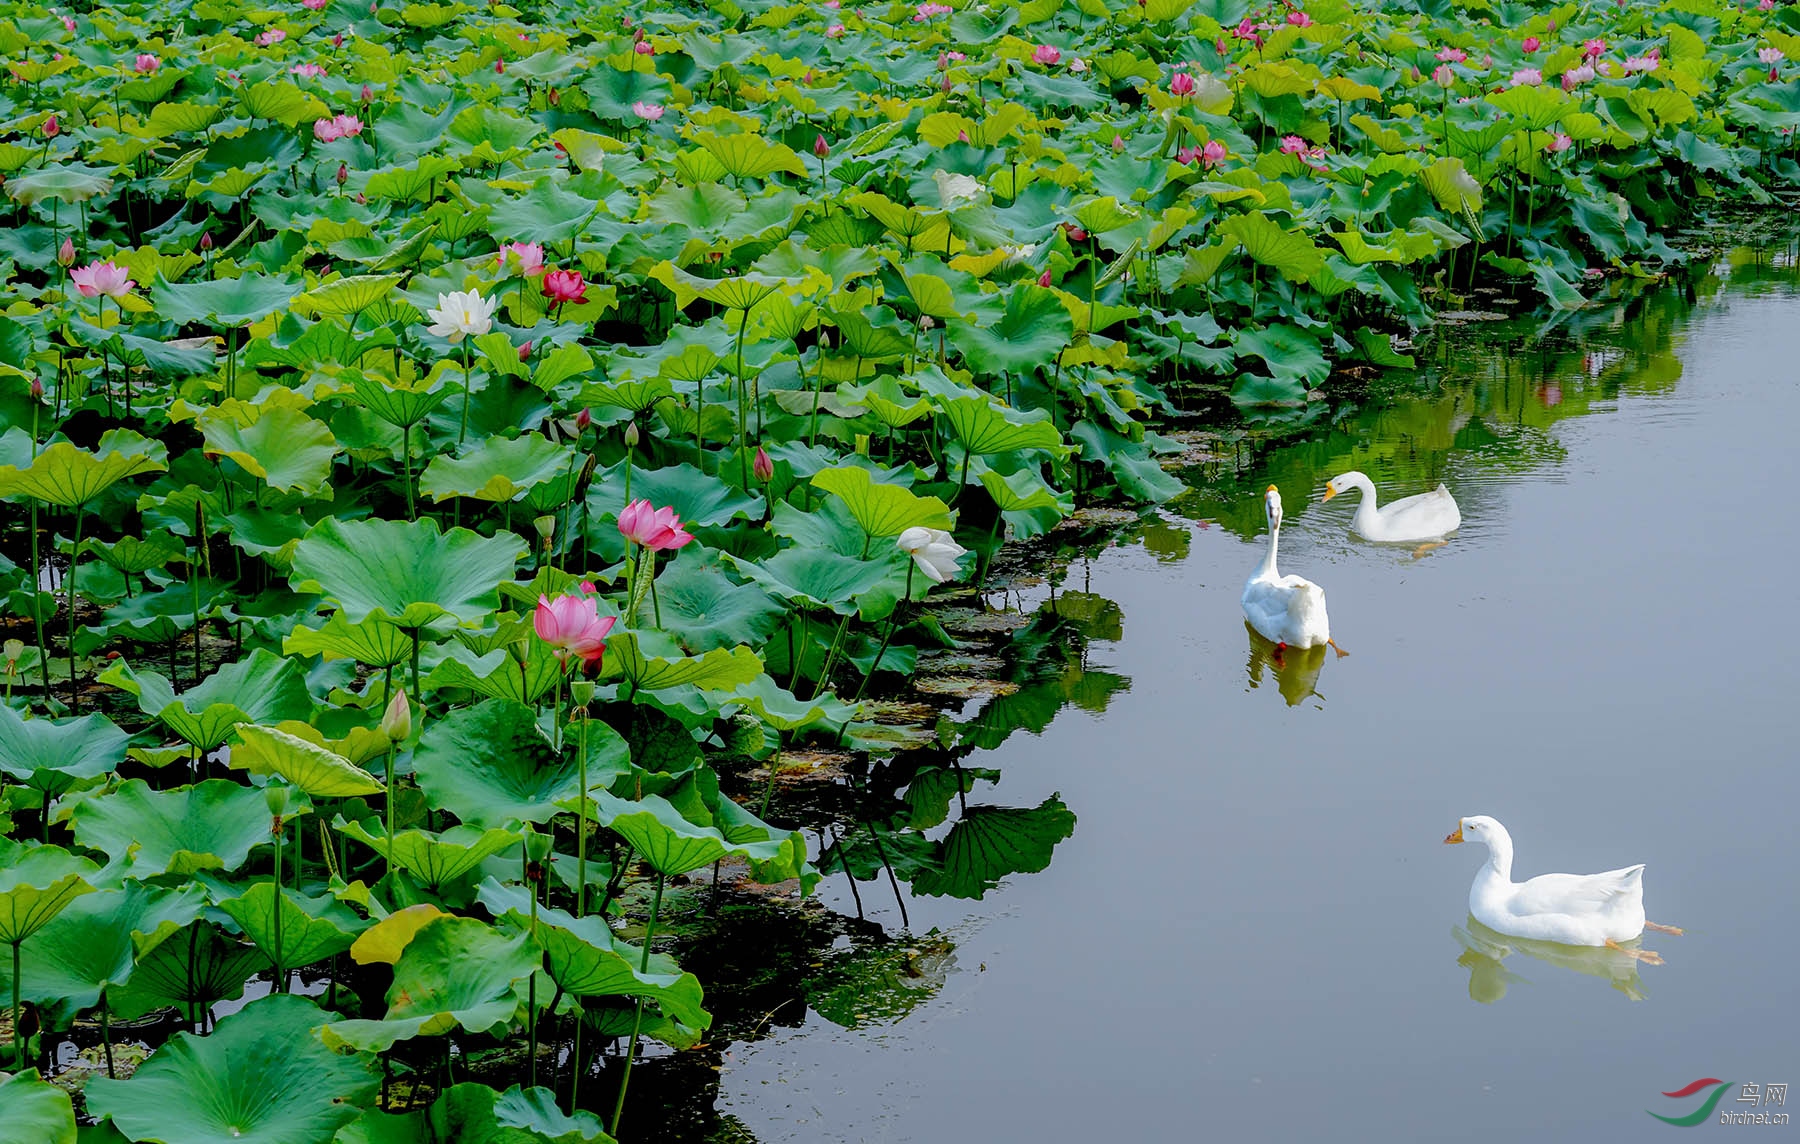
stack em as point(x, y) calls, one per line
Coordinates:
point(1660, 928)
point(1647, 956)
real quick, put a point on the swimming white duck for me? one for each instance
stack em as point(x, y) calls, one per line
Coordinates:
point(1427, 516)
point(1288, 611)
point(1574, 909)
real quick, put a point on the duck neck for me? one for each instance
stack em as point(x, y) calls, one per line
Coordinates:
point(1365, 501)
point(1268, 564)
point(1500, 856)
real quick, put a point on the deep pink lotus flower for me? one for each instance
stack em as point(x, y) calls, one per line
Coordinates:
point(648, 112)
point(1594, 49)
point(1044, 278)
point(523, 258)
point(69, 23)
point(343, 174)
point(145, 64)
point(368, 94)
point(561, 286)
point(1182, 84)
point(1187, 155)
point(1246, 30)
point(271, 37)
point(1292, 145)
point(307, 71)
point(573, 624)
point(51, 128)
point(97, 278)
point(1559, 144)
point(763, 466)
point(1530, 44)
point(1452, 56)
point(1299, 19)
point(657, 529)
point(1046, 55)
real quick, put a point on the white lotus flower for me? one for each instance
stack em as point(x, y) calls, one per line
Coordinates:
point(958, 190)
point(933, 550)
point(462, 313)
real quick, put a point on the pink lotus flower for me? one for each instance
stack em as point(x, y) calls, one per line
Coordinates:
point(271, 37)
point(337, 127)
point(836, 31)
point(1576, 76)
point(573, 624)
point(343, 174)
point(1772, 57)
point(1292, 145)
point(1593, 49)
point(1452, 56)
point(314, 5)
point(68, 23)
point(643, 48)
point(1046, 55)
point(1648, 62)
point(1182, 84)
point(1559, 144)
point(1443, 75)
point(500, 66)
point(51, 128)
point(562, 286)
point(1246, 30)
point(1118, 144)
point(368, 95)
point(1531, 44)
point(65, 254)
point(1187, 155)
point(1761, 6)
point(337, 41)
point(525, 259)
point(649, 112)
point(1299, 19)
point(97, 278)
point(307, 71)
point(763, 466)
point(145, 64)
point(658, 530)
point(1212, 154)
point(1527, 77)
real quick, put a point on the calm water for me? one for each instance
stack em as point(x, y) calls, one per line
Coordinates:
point(1255, 932)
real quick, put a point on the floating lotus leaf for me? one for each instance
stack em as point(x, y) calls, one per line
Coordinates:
point(409, 574)
point(261, 1077)
point(210, 826)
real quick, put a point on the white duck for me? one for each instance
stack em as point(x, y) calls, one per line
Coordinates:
point(1427, 516)
point(1288, 611)
point(1574, 909)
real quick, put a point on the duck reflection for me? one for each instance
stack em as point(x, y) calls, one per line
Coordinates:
point(1296, 669)
point(1485, 951)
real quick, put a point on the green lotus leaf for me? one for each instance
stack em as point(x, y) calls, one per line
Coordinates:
point(319, 772)
point(70, 183)
point(223, 302)
point(745, 156)
point(673, 845)
point(704, 609)
point(984, 427)
point(96, 942)
point(310, 928)
point(409, 574)
point(1032, 330)
point(883, 510)
point(168, 119)
point(280, 101)
point(490, 764)
point(284, 446)
point(455, 973)
point(494, 469)
point(137, 554)
point(50, 755)
point(1291, 353)
point(36, 884)
point(433, 859)
point(62, 474)
point(613, 91)
point(402, 406)
point(548, 212)
point(473, 1113)
point(785, 711)
point(36, 1112)
point(1025, 491)
point(636, 395)
point(492, 132)
point(990, 842)
point(342, 297)
point(697, 497)
point(585, 959)
point(260, 688)
point(260, 1077)
point(497, 675)
point(1140, 477)
point(819, 577)
point(716, 670)
point(210, 826)
point(194, 968)
point(1455, 189)
point(1263, 239)
point(372, 642)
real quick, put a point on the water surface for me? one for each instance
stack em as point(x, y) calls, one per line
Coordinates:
point(1255, 931)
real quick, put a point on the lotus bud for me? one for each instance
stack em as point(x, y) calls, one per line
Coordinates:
point(525, 352)
point(631, 435)
point(396, 721)
point(343, 174)
point(583, 420)
point(206, 241)
point(65, 254)
point(1118, 144)
point(1044, 278)
point(763, 466)
point(500, 67)
point(821, 148)
point(51, 128)
point(546, 528)
point(824, 340)
point(37, 389)
point(537, 845)
point(554, 95)
point(943, 61)
point(368, 94)
point(945, 86)
point(643, 48)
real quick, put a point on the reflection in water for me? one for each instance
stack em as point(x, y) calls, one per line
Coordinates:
point(1296, 669)
point(1485, 950)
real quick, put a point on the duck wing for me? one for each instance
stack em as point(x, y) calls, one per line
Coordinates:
point(1578, 893)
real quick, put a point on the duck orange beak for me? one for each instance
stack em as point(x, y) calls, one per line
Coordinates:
point(1270, 489)
point(1330, 491)
point(1455, 837)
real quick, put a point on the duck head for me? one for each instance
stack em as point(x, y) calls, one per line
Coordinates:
point(1272, 507)
point(1476, 828)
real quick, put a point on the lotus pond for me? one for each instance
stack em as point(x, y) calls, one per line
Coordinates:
point(501, 502)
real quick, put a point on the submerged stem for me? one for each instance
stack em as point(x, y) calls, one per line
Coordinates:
point(637, 1019)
